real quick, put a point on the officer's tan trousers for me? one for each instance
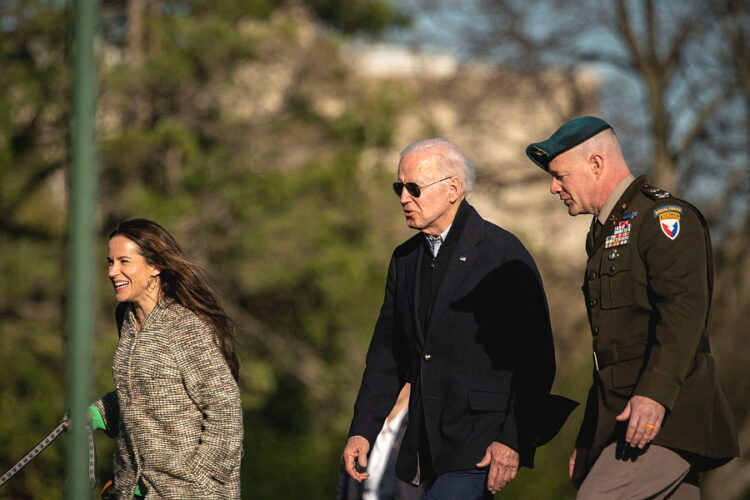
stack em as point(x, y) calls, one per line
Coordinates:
point(657, 473)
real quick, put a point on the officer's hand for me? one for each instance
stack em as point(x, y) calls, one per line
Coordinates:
point(646, 416)
point(503, 462)
point(577, 466)
point(355, 453)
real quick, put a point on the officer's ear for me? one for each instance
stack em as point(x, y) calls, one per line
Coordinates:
point(596, 164)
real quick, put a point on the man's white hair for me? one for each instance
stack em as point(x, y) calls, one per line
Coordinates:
point(452, 160)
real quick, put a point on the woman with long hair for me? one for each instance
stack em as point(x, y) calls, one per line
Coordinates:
point(176, 407)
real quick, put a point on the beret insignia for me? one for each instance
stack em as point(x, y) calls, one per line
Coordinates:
point(538, 153)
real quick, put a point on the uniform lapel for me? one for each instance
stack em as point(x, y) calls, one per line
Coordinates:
point(460, 263)
point(617, 212)
point(590, 237)
point(608, 228)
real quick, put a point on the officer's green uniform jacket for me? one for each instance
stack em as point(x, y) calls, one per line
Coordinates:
point(648, 292)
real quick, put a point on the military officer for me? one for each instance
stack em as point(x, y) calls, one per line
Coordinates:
point(655, 415)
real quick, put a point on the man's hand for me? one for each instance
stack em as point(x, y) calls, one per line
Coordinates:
point(646, 416)
point(577, 466)
point(503, 462)
point(355, 452)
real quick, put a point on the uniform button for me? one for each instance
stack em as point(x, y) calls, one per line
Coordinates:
point(427, 357)
point(592, 303)
point(596, 330)
point(593, 275)
point(611, 269)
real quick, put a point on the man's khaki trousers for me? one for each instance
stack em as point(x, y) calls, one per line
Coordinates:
point(623, 473)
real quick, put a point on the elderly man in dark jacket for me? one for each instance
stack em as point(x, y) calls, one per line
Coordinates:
point(465, 321)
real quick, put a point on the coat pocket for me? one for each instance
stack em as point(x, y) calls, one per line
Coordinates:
point(201, 477)
point(625, 375)
point(616, 285)
point(488, 400)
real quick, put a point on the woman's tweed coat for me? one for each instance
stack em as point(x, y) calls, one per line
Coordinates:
point(176, 409)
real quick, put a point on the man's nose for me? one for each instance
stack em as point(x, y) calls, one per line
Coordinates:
point(554, 186)
point(405, 197)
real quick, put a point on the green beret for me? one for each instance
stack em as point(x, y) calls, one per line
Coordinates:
point(571, 134)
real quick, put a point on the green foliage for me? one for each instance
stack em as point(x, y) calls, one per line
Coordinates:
point(282, 439)
point(238, 127)
point(33, 130)
point(363, 17)
point(33, 114)
point(30, 364)
point(370, 17)
point(262, 186)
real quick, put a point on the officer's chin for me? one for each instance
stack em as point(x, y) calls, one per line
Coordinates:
point(573, 210)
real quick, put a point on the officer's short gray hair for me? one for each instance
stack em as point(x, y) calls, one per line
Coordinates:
point(452, 160)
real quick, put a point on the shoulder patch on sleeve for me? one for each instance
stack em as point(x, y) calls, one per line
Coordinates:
point(655, 193)
point(668, 217)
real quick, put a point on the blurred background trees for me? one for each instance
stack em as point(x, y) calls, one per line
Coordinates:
point(253, 132)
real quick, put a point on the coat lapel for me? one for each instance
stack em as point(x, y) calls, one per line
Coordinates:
point(413, 266)
point(460, 263)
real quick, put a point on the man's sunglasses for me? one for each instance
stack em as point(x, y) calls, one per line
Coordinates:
point(413, 188)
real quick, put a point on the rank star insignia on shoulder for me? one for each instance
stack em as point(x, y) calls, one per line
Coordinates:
point(654, 192)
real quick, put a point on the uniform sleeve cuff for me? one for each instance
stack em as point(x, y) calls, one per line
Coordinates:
point(660, 387)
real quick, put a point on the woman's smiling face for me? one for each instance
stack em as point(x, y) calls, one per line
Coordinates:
point(130, 273)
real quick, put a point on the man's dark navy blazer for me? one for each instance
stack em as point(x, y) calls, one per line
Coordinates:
point(481, 370)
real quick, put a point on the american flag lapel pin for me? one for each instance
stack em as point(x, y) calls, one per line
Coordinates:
point(462, 258)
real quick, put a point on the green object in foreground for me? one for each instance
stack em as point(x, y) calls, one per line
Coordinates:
point(81, 255)
point(97, 422)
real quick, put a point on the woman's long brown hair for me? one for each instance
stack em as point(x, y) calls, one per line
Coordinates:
point(182, 280)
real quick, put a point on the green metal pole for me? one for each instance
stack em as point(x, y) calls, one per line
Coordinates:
point(81, 247)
